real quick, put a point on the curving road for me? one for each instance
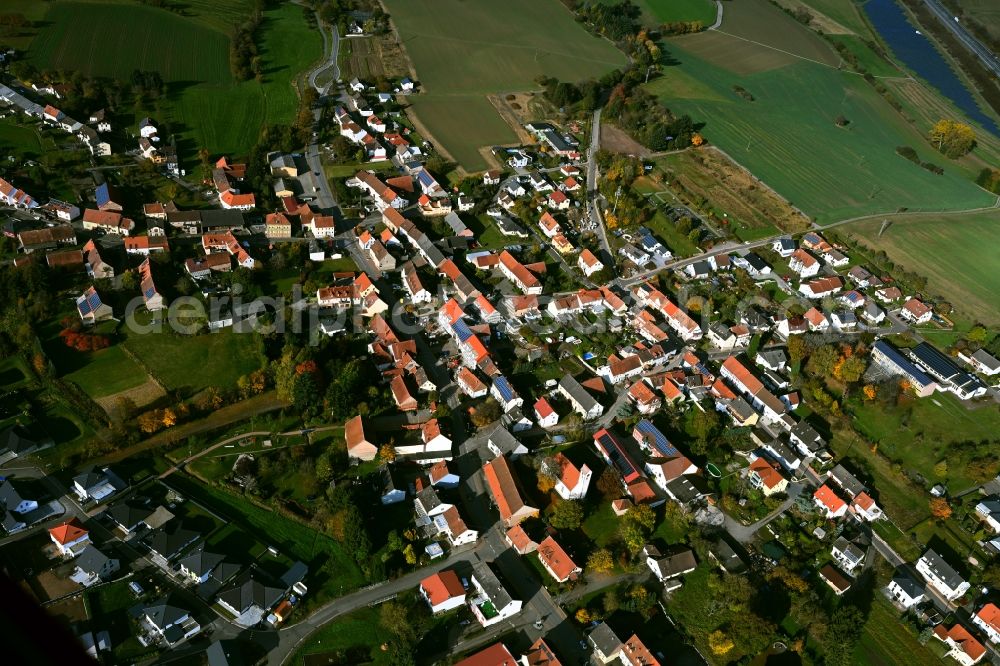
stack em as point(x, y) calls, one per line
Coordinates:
point(331, 48)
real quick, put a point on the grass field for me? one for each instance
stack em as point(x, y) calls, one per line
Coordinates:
point(886, 641)
point(656, 12)
point(951, 251)
point(358, 632)
point(844, 12)
point(19, 139)
point(512, 43)
point(839, 172)
point(192, 363)
point(206, 108)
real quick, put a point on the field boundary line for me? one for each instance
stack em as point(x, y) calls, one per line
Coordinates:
point(775, 48)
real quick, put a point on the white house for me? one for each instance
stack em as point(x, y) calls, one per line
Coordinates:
point(847, 554)
point(572, 482)
point(488, 600)
point(905, 591)
point(803, 263)
point(670, 566)
point(93, 566)
point(588, 263)
point(442, 591)
point(70, 538)
point(505, 394)
point(963, 647)
point(988, 619)
point(941, 575)
point(989, 512)
point(544, 414)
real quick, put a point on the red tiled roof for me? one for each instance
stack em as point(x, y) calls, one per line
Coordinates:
point(990, 614)
point(495, 655)
point(829, 498)
point(963, 639)
point(556, 559)
point(543, 408)
point(442, 586)
point(768, 472)
point(68, 532)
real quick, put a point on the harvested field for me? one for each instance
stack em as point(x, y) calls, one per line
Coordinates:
point(734, 54)
point(141, 395)
point(618, 141)
point(368, 58)
point(69, 610)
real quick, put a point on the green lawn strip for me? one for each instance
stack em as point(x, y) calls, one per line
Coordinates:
point(358, 633)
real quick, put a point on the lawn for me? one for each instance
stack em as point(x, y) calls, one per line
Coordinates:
point(513, 43)
point(108, 608)
point(332, 572)
point(99, 373)
point(839, 172)
point(951, 251)
point(205, 107)
point(357, 634)
point(21, 140)
point(887, 641)
point(192, 363)
point(656, 12)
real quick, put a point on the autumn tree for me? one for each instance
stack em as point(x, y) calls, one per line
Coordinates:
point(583, 616)
point(566, 515)
point(636, 526)
point(600, 561)
point(486, 413)
point(796, 349)
point(609, 484)
point(953, 139)
point(939, 508)
point(386, 453)
point(720, 643)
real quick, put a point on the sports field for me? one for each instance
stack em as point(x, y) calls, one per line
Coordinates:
point(205, 107)
point(464, 50)
point(787, 135)
point(955, 252)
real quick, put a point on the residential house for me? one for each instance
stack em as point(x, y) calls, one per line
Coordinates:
point(168, 623)
point(93, 566)
point(556, 561)
point(504, 490)
point(669, 566)
point(941, 575)
point(916, 311)
point(905, 591)
point(588, 263)
point(785, 247)
point(488, 600)
point(96, 267)
point(545, 416)
point(988, 511)
point(605, 643)
point(982, 362)
point(277, 225)
point(250, 597)
point(821, 287)
point(70, 538)
point(505, 394)
point(146, 245)
point(963, 648)
point(442, 591)
point(495, 655)
point(470, 384)
point(865, 508)
point(96, 486)
point(167, 542)
point(847, 554)
point(198, 565)
point(91, 308)
point(803, 264)
point(988, 619)
point(358, 444)
point(829, 503)
point(836, 580)
point(107, 221)
point(766, 476)
point(582, 402)
point(501, 443)
point(442, 477)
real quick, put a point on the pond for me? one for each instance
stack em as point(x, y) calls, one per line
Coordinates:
point(918, 54)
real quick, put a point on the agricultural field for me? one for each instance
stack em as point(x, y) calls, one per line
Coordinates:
point(840, 172)
point(657, 12)
point(950, 251)
point(887, 641)
point(514, 43)
point(205, 107)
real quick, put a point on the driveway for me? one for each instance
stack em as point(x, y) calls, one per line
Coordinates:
point(745, 533)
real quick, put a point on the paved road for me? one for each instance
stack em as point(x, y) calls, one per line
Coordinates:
point(331, 48)
point(718, 16)
point(988, 58)
point(593, 205)
point(745, 533)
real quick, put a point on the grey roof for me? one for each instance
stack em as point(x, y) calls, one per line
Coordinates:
point(505, 442)
point(388, 483)
point(91, 560)
point(986, 359)
point(847, 481)
point(9, 497)
point(16, 440)
point(805, 433)
point(428, 498)
point(491, 585)
point(89, 479)
point(773, 357)
point(129, 514)
point(251, 589)
point(676, 564)
point(169, 544)
point(579, 394)
point(849, 549)
point(295, 574)
point(942, 569)
point(200, 561)
point(605, 639)
point(912, 588)
point(163, 614)
point(727, 557)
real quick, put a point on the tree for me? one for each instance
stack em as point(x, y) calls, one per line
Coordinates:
point(952, 139)
point(796, 349)
point(609, 483)
point(719, 643)
point(486, 413)
point(822, 360)
point(566, 515)
point(386, 453)
point(852, 368)
point(704, 424)
point(941, 469)
point(583, 616)
point(939, 508)
point(600, 561)
point(409, 555)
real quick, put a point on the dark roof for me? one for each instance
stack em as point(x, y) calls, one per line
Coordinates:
point(16, 440)
point(224, 653)
point(163, 614)
point(687, 488)
point(129, 514)
point(91, 560)
point(605, 639)
point(942, 569)
point(169, 544)
point(200, 561)
point(251, 589)
point(905, 581)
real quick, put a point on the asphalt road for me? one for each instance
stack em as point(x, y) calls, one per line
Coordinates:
point(988, 58)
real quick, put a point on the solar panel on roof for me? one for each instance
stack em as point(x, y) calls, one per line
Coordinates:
point(94, 301)
point(504, 388)
point(659, 440)
point(462, 330)
point(83, 305)
point(150, 292)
